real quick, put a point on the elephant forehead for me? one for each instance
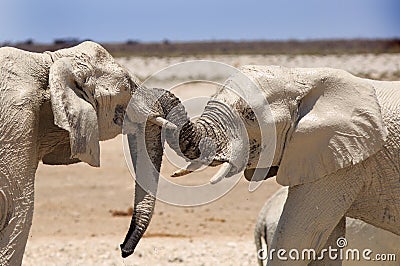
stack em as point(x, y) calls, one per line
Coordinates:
point(112, 83)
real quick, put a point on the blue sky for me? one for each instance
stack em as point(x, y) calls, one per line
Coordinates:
point(180, 20)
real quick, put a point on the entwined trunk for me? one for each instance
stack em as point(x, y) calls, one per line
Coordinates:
point(146, 155)
point(206, 140)
point(205, 137)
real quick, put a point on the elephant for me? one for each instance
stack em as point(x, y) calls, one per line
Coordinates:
point(56, 107)
point(336, 147)
point(360, 235)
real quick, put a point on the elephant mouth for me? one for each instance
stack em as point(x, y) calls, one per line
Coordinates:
point(260, 174)
point(217, 162)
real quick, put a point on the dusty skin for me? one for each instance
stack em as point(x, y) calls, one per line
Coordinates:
point(359, 235)
point(73, 222)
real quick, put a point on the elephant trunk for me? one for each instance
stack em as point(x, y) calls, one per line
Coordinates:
point(186, 144)
point(146, 149)
point(175, 113)
point(189, 133)
point(215, 137)
point(146, 154)
point(143, 211)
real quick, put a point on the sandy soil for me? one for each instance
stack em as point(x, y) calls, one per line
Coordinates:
point(74, 220)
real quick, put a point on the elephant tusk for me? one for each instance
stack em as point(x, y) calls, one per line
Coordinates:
point(181, 172)
point(162, 122)
point(190, 168)
point(226, 167)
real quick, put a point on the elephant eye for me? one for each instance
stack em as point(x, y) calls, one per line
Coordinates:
point(124, 86)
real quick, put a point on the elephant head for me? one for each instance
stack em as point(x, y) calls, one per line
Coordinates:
point(89, 97)
point(89, 93)
point(324, 120)
point(229, 132)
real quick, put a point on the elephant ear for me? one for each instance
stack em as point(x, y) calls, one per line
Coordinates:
point(339, 124)
point(74, 106)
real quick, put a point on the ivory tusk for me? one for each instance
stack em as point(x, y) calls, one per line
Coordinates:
point(190, 168)
point(162, 122)
point(181, 172)
point(226, 167)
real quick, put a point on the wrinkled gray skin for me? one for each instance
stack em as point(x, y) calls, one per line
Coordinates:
point(359, 235)
point(146, 148)
point(337, 148)
point(146, 156)
point(56, 107)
